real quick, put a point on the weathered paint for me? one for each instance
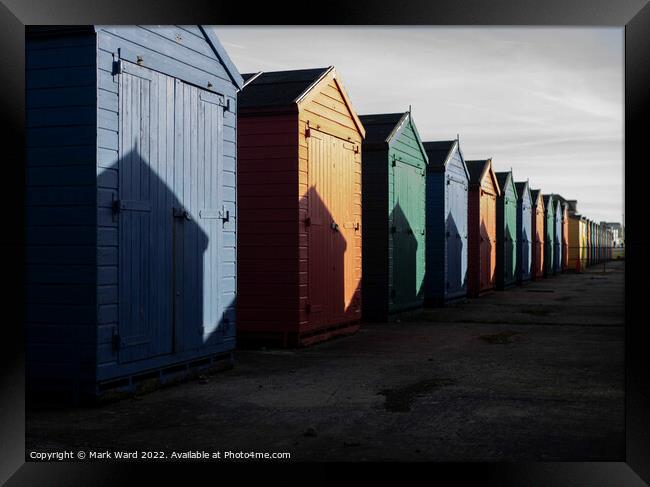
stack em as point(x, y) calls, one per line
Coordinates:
point(549, 234)
point(538, 217)
point(118, 118)
point(481, 222)
point(506, 231)
point(299, 261)
point(524, 232)
point(446, 213)
point(393, 154)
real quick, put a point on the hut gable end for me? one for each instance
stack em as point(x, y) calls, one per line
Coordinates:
point(325, 104)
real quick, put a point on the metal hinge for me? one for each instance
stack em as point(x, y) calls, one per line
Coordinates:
point(226, 105)
point(117, 67)
point(224, 215)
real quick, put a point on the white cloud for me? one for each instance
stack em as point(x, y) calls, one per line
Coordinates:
point(547, 102)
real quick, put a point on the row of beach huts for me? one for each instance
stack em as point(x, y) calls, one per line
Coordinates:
point(174, 204)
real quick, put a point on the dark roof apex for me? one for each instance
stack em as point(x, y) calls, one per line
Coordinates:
point(380, 125)
point(277, 88)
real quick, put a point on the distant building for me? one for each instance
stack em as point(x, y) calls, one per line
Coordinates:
point(618, 233)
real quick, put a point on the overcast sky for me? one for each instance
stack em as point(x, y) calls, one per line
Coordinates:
point(546, 102)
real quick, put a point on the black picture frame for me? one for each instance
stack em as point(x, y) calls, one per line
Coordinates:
point(633, 15)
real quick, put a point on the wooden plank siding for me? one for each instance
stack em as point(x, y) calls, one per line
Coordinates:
point(446, 216)
point(482, 232)
point(274, 239)
point(524, 234)
point(189, 59)
point(375, 235)
point(60, 213)
point(268, 260)
point(323, 110)
point(394, 202)
point(81, 111)
point(537, 220)
point(506, 236)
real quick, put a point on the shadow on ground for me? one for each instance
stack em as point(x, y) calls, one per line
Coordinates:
point(516, 375)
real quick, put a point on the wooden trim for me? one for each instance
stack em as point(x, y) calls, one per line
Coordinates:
point(330, 74)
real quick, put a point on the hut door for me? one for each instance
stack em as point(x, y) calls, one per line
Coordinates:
point(144, 259)
point(199, 217)
point(454, 235)
point(406, 231)
point(170, 214)
point(509, 244)
point(485, 241)
point(332, 229)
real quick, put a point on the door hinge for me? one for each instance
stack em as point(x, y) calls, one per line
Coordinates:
point(307, 130)
point(117, 67)
point(224, 214)
point(226, 105)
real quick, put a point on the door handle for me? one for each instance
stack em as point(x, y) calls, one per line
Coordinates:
point(335, 226)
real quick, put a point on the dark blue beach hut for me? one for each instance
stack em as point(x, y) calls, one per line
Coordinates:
point(130, 206)
point(447, 183)
point(524, 231)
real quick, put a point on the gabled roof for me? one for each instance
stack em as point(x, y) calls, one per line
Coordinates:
point(522, 188)
point(505, 178)
point(278, 88)
point(211, 36)
point(381, 127)
point(477, 170)
point(549, 200)
point(535, 195)
point(286, 89)
point(208, 32)
point(384, 127)
point(440, 153)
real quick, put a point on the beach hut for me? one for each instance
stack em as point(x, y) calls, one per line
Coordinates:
point(537, 227)
point(300, 222)
point(549, 234)
point(481, 227)
point(446, 214)
point(578, 243)
point(506, 231)
point(565, 236)
point(557, 236)
point(524, 231)
point(393, 207)
point(131, 206)
point(584, 242)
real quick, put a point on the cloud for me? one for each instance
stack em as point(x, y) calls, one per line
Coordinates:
point(547, 102)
